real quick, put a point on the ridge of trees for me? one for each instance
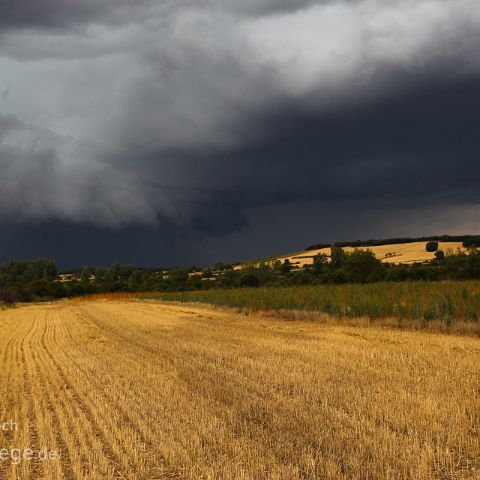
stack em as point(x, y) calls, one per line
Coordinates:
point(24, 281)
point(468, 241)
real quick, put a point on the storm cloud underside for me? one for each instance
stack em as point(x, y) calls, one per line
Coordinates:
point(192, 119)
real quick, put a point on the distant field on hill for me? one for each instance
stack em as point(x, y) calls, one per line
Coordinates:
point(395, 253)
point(398, 253)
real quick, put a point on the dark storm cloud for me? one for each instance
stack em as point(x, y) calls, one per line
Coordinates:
point(193, 116)
point(75, 245)
point(37, 182)
point(59, 14)
point(419, 145)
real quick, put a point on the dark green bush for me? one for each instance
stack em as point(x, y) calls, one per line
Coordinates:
point(249, 280)
point(473, 242)
point(9, 296)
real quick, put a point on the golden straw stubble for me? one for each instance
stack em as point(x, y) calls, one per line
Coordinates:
point(145, 390)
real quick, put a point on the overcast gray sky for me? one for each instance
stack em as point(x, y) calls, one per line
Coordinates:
point(180, 132)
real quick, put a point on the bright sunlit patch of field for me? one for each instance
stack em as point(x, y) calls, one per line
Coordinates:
point(396, 253)
point(143, 390)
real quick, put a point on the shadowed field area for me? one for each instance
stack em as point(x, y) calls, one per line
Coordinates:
point(145, 390)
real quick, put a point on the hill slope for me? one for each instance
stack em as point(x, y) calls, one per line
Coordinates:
point(395, 253)
point(402, 252)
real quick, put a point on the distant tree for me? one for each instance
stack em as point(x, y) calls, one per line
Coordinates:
point(440, 255)
point(115, 271)
point(362, 266)
point(337, 255)
point(208, 273)
point(320, 262)
point(277, 266)
point(473, 242)
point(396, 273)
point(431, 247)
point(135, 281)
point(100, 274)
point(20, 272)
point(286, 266)
point(10, 295)
point(178, 278)
point(227, 279)
point(337, 276)
point(249, 280)
point(41, 289)
point(49, 269)
point(301, 277)
point(85, 274)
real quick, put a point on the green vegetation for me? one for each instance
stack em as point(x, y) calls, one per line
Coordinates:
point(375, 288)
point(472, 242)
point(24, 281)
point(448, 302)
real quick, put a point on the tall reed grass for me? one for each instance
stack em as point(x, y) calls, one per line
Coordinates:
point(447, 302)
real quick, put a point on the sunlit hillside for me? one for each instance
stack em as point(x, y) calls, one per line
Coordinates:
point(398, 253)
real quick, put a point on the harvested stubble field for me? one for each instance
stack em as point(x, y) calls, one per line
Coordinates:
point(145, 390)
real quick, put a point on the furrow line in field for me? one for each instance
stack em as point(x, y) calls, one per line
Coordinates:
point(149, 355)
point(33, 469)
point(131, 437)
point(70, 427)
point(9, 388)
point(62, 467)
point(76, 424)
point(148, 347)
point(134, 415)
point(7, 374)
point(203, 372)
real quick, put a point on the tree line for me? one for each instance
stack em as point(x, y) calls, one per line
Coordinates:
point(25, 281)
point(468, 241)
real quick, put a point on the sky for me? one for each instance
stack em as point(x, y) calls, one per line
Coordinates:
point(181, 132)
